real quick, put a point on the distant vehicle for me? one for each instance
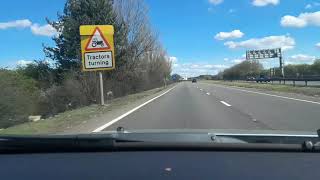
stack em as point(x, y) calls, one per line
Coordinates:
point(251, 78)
point(263, 78)
point(194, 80)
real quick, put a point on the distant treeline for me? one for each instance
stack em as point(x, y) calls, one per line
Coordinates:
point(247, 69)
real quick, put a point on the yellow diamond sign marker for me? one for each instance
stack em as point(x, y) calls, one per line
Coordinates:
point(97, 47)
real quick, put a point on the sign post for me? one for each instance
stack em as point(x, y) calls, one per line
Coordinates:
point(281, 65)
point(97, 50)
point(101, 88)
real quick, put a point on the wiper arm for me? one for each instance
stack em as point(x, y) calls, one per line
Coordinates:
point(310, 146)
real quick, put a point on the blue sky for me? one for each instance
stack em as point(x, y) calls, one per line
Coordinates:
point(200, 36)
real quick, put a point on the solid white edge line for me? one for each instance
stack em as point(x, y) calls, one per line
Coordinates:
point(129, 112)
point(225, 103)
point(283, 97)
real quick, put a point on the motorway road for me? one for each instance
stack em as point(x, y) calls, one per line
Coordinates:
point(210, 106)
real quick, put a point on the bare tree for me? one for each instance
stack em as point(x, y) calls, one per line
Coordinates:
point(141, 38)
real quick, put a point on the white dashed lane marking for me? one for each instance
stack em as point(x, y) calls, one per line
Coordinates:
point(225, 103)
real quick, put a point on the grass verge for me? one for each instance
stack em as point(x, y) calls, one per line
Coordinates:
point(309, 91)
point(65, 120)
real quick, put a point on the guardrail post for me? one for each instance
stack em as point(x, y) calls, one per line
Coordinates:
point(279, 81)
point(284, 81)
point(294, 83)
point(306, 83)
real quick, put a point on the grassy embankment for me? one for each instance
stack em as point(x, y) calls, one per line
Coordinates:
point(309, 91)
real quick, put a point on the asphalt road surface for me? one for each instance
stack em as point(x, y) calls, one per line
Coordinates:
point(209, 106)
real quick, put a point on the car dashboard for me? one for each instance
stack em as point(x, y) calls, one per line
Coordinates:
point(160, 165)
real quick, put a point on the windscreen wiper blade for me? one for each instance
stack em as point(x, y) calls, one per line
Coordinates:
point(26, 144)
point(110, 143)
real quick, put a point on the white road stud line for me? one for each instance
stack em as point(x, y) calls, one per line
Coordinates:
point(129, 112)
point(208, 94)
point(201, 89)
point(225, 103)
point(272, 95)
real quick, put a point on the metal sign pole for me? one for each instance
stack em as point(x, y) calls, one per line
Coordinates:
point(101, 88)
point(281, 66)
point(270, 71)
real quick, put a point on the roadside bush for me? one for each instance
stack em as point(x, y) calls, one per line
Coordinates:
point(58, 98)
point(18, 98)
point(41, 72)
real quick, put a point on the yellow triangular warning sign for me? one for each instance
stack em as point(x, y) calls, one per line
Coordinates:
point(97, 41)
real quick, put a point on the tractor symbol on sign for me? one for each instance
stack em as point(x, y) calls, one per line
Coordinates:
point(95, 43)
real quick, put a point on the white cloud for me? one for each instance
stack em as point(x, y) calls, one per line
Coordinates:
point(239, 60)
point(291, 21)
point(229, 35)
point(308, 6)
point(194, 66)
point(236, 60)
point(173, 59)
point(215, 2)
point(311, 5)
point(24, 62)
point(318, 45)
point(300, 58)
point(285, 42)
point(16, 24)
point(231, 11)
point(265, 2)
point(209, 66)
point(45, 30)
point(196, 69)
point(36, 29)
point(220, 66)
point(303, 20)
